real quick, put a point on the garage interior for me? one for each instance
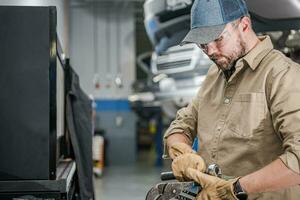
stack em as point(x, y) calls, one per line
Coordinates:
point(90, 86)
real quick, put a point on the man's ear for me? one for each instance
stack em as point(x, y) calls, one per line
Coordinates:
point(246, 24)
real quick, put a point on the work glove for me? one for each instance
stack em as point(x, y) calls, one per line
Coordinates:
point(185, 161)
point(180, 148)
point(212, 187)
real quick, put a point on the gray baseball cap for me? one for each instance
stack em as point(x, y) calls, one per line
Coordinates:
point(209, 18)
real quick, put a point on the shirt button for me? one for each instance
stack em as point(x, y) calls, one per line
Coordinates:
point(227, 101)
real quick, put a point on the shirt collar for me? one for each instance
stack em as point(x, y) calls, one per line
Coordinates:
point(255, 56)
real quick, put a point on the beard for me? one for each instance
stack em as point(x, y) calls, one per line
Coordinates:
point(226, 62)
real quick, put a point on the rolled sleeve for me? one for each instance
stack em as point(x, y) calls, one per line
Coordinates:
point(184, 123)
point(291, 161)
point(285, 111)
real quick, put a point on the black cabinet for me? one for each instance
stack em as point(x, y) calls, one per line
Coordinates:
point(32, 93)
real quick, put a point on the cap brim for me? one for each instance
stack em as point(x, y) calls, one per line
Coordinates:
point(203, 35)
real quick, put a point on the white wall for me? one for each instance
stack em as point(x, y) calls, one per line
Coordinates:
point(102, 47)
point(62, 7)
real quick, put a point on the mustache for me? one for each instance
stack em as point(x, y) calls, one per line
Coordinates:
point(215, 57)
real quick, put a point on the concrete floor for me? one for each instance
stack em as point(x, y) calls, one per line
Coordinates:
point(129, 182)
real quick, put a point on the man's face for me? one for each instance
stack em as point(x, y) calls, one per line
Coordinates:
point(227, 48)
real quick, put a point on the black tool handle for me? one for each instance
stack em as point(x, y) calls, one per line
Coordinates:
point(165, 176)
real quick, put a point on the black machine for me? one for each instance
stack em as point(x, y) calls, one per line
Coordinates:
point(45, 126)
point(34, 141)
point(32, 94)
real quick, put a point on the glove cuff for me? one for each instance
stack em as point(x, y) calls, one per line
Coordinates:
point(180, 148)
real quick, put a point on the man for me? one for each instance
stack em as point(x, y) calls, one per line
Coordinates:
point(246, 114)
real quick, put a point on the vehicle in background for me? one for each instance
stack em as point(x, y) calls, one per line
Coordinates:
point(179, 71)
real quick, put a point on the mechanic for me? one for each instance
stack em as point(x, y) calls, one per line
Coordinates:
point(246, 115)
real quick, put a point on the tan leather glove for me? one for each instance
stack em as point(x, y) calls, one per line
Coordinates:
point(212, 187)
point(187, 160)
point(180, 148)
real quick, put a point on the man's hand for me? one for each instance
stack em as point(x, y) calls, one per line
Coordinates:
point(179, 148)
point(212, 187)
point(183, 157)
point(185, 161)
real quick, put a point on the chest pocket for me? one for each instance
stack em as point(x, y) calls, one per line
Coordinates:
point(247, 114)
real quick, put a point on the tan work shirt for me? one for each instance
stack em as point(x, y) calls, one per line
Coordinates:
point(252, 119)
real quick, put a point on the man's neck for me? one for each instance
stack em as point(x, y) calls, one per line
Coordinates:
point(251, 42)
